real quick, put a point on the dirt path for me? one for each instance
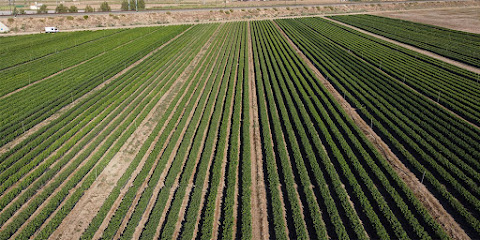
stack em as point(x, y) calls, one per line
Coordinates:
point(406, 85)
point(60, 187)
point(258, 188)
point(54, 153)
point(48, 77)
point(190, 186)
point(39, 191)
point(160, 184)
point(56, 115)
point(432, 204)
point(103, 185)
point(129, 184)
point(131, 144)
point(142, 90)
point(65, 69)
point(410, 47)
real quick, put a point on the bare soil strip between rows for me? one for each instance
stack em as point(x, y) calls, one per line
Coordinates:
point(53, 179)
point(56, 162)
point(172, 156)
point(83, 213)
point(258, 188)
point(432, 204)
point(427, 53)
point(188, 190)
point(59, 51)
point(160, 184)
point(218, 200)
point(142, 89)
point(69, 177)
point(129, 184)
point(48, 77)
point(207, 176)
point(132, 154)
point(413, 48)
point(56, 115)
point(64, 70)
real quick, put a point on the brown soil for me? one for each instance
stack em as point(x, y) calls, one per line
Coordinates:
point(56, 115)
point(219, 197)
point(430, 54)
point(410, 47)
point(421, 192)
point(161, 180)
point(159, 186)
point(463, 19)
point(197, 157)
point(85, 210)
point(258, 188)
point(60, 187)
point(33, 24)
point(207, 176)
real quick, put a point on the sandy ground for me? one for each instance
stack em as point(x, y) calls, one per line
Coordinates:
point(36, 24)
point(463, 19)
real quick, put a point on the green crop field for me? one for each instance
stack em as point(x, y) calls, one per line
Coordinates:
point(283, 129)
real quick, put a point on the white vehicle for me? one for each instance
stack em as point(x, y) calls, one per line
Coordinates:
point(51, 30)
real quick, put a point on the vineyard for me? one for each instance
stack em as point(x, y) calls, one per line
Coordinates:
point(284, 129)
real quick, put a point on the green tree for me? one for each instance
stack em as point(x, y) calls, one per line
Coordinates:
point(104, 7)
point(61, 9)
point(43, 9)
point(15, 11)
point(141, 4)
point(124, 5)
point(89, 8)
point(73, 9)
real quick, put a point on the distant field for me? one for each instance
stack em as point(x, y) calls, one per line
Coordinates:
point(284, 129)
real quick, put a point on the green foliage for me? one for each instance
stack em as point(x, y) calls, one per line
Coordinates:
point(104, 7)
point(85, 17)
point(89, 8)
point(73, 9)
point(457, 45)
point(61, 9)
point(43, 9)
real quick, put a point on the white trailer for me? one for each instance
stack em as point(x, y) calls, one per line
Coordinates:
point(51, 30)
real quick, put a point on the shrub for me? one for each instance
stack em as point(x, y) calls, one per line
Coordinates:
point(85, 17)
point(104, 7)
point(11, 20)
point(73, 9)
point(43, 9)
point(61, 9)
point(69, 18)
point(89, 8)
point(22, 11)
point(168, 13)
